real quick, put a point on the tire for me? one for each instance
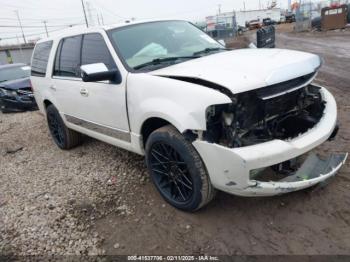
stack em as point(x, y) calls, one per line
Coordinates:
point(63, 137)
point(177, 170)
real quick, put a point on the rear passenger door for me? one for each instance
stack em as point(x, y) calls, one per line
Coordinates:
point(97, 106)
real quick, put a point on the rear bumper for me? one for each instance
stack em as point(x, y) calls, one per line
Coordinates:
point(230, 168)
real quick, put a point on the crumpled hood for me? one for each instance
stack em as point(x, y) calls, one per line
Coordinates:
point(246, 69)
point(16, 84)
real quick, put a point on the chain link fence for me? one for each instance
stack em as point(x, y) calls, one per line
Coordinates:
point(307, 10)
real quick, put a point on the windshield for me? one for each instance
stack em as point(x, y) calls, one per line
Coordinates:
point(13, 73)
point(143, 43)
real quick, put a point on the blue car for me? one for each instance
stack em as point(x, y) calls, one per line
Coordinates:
point(15, 89)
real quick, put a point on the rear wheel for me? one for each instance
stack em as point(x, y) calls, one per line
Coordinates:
point(64, 137)
point(177, 170)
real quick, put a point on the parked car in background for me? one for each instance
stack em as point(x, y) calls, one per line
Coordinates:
point(254, 24)
point(316, 23)
point(268, 21)
point(282, 19)
point(15, 88)
point(205, 117)
point(241, 30)
point(290, 18)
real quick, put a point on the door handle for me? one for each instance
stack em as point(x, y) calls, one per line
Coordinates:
point(84, 92)
point(52, 87)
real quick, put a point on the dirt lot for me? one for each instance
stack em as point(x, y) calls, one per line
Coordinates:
point(98, 199)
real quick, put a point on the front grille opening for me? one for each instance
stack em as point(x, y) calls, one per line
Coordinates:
point(273, 90)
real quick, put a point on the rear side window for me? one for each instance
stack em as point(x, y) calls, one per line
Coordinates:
point(67, 61)
point(95, 50)
point(40, 58)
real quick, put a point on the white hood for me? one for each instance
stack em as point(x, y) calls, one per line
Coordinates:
point(246, 69)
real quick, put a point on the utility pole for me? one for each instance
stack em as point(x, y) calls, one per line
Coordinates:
point(86, 21)
point(98, 19)
point(244, 6)
point(102, 19)
point(20, 24)
point(219, 6)
point(47, 33)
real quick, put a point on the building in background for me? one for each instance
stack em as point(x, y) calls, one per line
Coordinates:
point(16, 54)
point(241, 17)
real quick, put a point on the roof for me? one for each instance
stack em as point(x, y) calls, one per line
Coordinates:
point(11, 65)
point(79, 30)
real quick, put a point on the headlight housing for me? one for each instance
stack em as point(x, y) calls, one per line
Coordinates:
point(8, 93)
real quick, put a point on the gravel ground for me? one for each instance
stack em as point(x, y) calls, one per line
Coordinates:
point(50, 198)
point(97, 199)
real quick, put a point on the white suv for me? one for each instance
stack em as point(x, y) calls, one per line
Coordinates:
point(206, 118)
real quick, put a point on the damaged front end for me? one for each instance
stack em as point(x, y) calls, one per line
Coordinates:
point(261, 115)
point(260, 144)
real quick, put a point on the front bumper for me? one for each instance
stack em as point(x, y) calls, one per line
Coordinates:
point(229, 168)
point(17, 103)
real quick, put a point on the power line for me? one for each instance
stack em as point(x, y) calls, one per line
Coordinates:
point(37, 26)
point(34, 34)
point(108, 11)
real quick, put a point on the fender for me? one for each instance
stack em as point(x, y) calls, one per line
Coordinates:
point(183, 104)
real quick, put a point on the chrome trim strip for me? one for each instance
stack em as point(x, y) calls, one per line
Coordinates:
point(108, 131)
point(292, 89)
point(67, 78)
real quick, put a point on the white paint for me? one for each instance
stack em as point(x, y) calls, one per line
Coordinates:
point(94, 68)
point(141, 96)
point(246, 69)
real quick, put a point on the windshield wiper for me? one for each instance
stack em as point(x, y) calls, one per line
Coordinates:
point(209, 50)
point(158, 61)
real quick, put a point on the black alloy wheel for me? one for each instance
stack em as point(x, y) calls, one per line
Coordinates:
point(177, 170)
point(171, 173)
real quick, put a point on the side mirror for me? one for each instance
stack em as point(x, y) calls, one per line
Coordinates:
point(99, 72)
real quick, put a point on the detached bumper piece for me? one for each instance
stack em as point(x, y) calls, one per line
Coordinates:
point(313, 171)
point(22, 101)
point(314, 167)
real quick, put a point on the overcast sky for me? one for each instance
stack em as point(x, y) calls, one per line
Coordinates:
point(60, 14)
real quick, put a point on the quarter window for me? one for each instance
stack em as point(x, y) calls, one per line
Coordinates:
point(40, 58)
point(67, 62)
point(95, 50)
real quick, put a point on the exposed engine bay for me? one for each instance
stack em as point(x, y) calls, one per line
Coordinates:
point(264, 114)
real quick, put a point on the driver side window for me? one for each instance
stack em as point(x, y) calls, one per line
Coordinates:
point(75, 51)
point(94, 50)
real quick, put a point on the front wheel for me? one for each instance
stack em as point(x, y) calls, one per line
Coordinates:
point(177, 170)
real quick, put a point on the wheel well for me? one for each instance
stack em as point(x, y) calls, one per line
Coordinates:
point(150, 125)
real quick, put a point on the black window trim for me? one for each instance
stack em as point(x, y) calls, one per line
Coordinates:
point(59, 46)
point(59, 49)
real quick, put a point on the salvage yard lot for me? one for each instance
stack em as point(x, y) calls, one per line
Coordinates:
point(98, 199)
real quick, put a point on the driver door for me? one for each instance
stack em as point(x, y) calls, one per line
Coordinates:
point(97, 106)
